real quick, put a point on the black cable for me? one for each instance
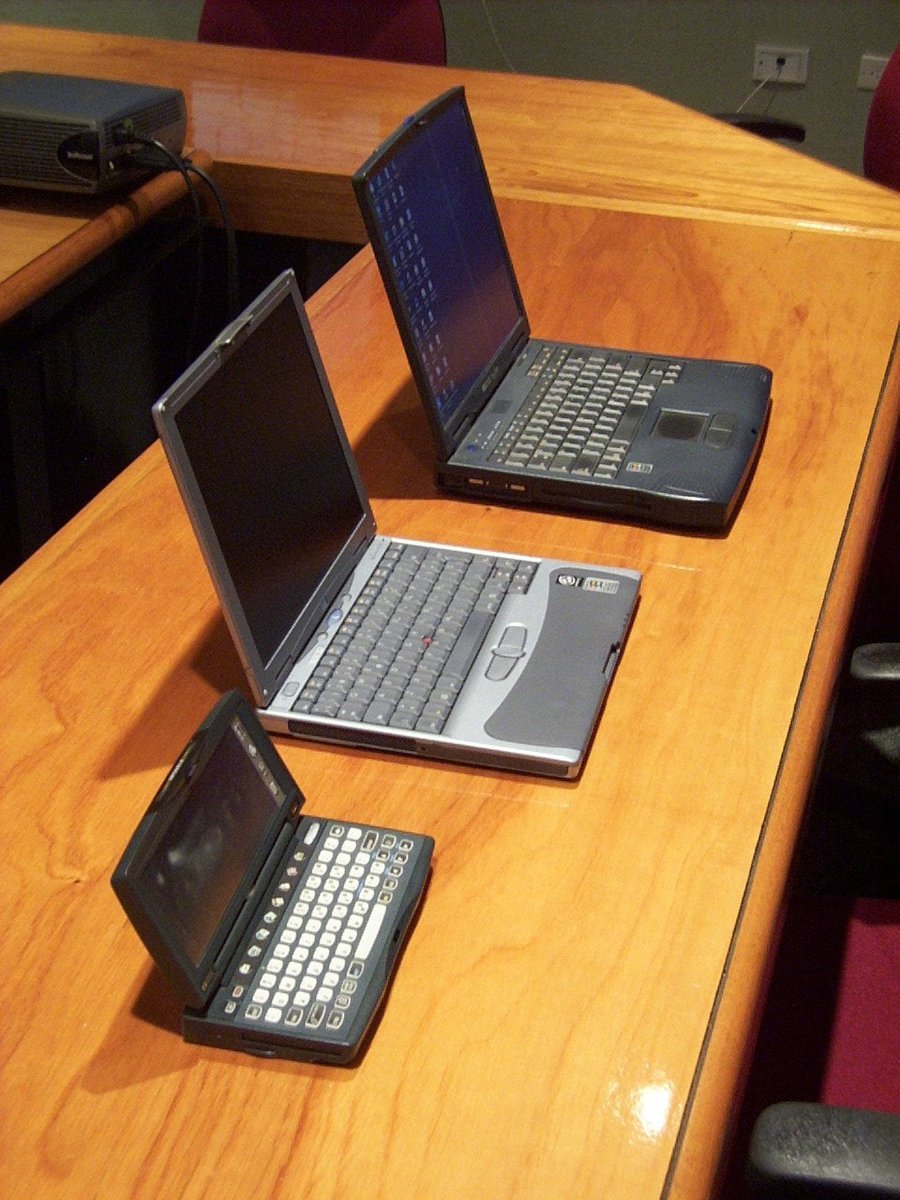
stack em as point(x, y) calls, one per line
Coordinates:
point(230, 239)
point(186, 166)
point(176, 162)
point(173, 161)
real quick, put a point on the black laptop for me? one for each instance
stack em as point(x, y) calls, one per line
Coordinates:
point(352, 637)
point(668, 440)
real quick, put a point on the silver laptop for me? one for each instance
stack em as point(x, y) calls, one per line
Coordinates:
point(649, 436)
point(351, 637)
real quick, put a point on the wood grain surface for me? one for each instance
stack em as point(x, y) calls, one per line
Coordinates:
point(573, 1006)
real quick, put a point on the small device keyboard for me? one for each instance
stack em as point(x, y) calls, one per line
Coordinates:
point(583, 410)
point(307, 961)
point(402, 653)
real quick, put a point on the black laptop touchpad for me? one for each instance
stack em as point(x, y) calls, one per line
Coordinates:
point(682, 426)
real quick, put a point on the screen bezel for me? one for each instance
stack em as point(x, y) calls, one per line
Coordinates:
point(195, 981)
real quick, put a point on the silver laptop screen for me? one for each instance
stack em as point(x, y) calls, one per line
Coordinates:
point(272, 473)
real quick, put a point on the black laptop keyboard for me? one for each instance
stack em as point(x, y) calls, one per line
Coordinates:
point(402, 653)
point(583, 411)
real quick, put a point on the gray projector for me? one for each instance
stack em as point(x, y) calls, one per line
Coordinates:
point(67, 134)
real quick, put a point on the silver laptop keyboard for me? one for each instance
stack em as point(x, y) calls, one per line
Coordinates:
point(583, 411)
point(402, 653)
point(307, 962)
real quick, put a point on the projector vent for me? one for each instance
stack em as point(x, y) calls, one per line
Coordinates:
point(28, 148)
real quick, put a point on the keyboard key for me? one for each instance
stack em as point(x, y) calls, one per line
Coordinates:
point(419, 621)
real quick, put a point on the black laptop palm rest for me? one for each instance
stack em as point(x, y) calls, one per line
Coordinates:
point(280, 931)
point(665, 439)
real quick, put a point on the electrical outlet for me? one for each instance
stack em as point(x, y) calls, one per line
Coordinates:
point(871, 67)
point(781, 64)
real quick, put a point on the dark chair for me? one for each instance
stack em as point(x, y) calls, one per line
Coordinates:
point(872, 736)
point(862, 758)
point(812, 1151)
point(831, 1033)
point(774, 129)
point(394, 30)
point(881, 147)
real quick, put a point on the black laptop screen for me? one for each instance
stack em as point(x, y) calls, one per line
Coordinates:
point(273, 473)
point(432, 211)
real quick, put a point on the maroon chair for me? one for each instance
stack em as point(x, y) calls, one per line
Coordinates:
point(881, 148)
point(392, 30)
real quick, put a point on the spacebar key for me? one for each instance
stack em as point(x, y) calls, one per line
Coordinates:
point(364, 946)
point(469, 642)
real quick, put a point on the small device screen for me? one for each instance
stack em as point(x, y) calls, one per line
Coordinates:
point(197, 866)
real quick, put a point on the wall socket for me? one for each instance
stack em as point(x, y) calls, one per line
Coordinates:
point(871, 68)
point(781, 64)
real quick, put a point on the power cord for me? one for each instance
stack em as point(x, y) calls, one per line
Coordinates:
point(230, 238)
point(494, 37)
point(157, 156)
point(773, 78)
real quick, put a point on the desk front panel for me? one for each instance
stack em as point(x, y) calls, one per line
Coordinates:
point(545, 1034)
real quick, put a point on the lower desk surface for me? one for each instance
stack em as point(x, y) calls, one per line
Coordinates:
point(47, 237)
point(571, 1011)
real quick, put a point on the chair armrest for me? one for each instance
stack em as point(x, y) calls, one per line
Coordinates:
point(815, 1150)
point(876, 662)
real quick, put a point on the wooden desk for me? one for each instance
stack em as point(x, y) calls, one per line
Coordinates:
point(48, 237)
point(570, 1014)
point(288, 130)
